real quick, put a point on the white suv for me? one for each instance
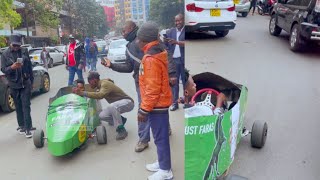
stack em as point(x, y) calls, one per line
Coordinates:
point(208, 15)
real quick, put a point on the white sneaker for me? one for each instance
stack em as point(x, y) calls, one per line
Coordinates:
point(161, 175)
point(154, 167)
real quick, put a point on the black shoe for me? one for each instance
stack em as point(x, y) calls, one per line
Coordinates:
point(174, 107)
point(122, 133)
point(124, 120)
point(21, 130)
point(28, 134)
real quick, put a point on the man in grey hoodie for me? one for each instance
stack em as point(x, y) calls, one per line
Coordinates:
point(134, 56)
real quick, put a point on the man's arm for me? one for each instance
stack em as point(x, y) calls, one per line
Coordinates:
point(172, 66)
point(152, 85)
point(4, 67)
point(102, 93)
point(29, 65)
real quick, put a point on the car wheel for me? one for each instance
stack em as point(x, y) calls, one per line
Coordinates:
point(101, 135)
point(296, 43)
point(259, 134)
point(38, 138)
point(9, 105)
point(50, 65)
point(45, 86)
point(244, 14)
point(222, 33)
point(62, 62)
point(274, 29)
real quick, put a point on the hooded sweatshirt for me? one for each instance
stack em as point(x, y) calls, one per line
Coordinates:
point(154, 79)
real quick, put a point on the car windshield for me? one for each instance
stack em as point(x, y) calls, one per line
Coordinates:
point(60, 48)
point(35, 51)
point(101, 43)
point(118, 44)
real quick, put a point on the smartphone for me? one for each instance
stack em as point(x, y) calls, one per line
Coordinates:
point(103, 60)
point(20, 60)
point(165, 36)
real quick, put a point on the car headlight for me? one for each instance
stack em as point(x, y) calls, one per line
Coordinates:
point(123, 57)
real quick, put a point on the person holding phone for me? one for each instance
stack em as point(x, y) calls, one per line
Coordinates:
point(17, 67)
point(174, 39)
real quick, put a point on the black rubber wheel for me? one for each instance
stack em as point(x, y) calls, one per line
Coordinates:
point(45, 86)
point(259, 134)
point(101, 135)
point(274, 29)
point(62, 62)
point(38, 138)
point(9, 103)
point(296, 43)
point(50, 65)
point(222, 33)
point(260, 11)
point(244, 14)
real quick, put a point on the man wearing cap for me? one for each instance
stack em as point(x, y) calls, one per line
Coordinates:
point(155, 97)
point(119, 101)
point(134, 56)
point(17, 67)
point(75, 59)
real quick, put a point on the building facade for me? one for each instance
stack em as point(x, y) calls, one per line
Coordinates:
point(109, 11)
point(140, 10)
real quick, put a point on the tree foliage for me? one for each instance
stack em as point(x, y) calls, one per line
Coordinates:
point(88, 17)
point(8, 14)
point(44, 12)
point(164, 11)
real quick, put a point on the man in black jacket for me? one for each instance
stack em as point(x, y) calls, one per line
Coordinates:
point(134, 56)
point(17, 67)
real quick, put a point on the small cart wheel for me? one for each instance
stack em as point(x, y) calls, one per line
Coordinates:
point(101, 135)
point(259, 134)
point(38, 138)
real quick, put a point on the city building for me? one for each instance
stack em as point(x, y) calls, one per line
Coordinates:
point(122, 12)
point(140, 10)
point(109, 10)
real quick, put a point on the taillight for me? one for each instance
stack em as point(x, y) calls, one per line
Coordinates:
point(233, 8)
point(193, 8)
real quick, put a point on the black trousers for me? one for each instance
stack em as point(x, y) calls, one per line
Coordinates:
point(22, 101)
point(253, 5)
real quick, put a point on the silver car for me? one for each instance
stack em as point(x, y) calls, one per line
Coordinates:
point(242, 7)
point(56, 56)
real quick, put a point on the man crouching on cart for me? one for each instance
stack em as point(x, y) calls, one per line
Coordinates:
point(119, 101)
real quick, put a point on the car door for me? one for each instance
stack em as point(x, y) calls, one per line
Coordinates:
point(293, 9)
point(53, 55)
point(36, 80)
point(59, 55)
point(281, 10)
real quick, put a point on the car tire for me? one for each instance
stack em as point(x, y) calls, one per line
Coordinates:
point(244, 14)
point(50, 65)
point(9, 103)
point(101, 135)
point(38, 138)
point(45, 83)
point(274, 29)
point(296, 43)
point(222, 33)
point(259, 134)
point(62, 62)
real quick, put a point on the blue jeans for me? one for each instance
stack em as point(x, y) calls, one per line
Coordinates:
point(160, 127)
point(143, 127)
point(92, 63)
point(180, 73)
point(72, 71)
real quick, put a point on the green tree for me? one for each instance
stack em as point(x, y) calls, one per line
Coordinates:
point(164, 11)
point(44, 12)
point(88, 17)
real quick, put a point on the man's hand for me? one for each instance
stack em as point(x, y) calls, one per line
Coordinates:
point(172, 41)
point(106, 62)
point(16, 65)
point(77, 91)
point(173, 81)
point(142, 117)
point(67, 68)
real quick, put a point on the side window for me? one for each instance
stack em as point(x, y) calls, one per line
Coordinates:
point(52, 51)
point(292, 2)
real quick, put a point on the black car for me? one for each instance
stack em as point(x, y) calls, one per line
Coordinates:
point(41, 84)
point(300, 18)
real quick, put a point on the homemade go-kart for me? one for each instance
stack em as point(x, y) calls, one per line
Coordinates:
point(71, 121)
point(211, 140)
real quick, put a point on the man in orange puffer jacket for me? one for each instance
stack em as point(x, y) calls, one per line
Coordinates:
point(155, 97)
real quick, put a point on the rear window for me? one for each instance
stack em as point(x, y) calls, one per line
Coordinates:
point(38, 51)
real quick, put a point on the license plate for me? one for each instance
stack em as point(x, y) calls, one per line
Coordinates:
point(215, 12)
point(236, 1)
point(99, 49)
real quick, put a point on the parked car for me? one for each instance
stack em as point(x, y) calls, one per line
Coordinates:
point(300, 18)
point(63, 48)
point(242, 7)
point(109, 41)
point(41, 83)
point(117, 51)
point(28, 46)
point(219, 16)
point(56, 56)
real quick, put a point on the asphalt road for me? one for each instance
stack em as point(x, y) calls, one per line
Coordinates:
point(284, 91)
point(19, 159)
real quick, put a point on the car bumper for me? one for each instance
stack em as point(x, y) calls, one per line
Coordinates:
point(218, 26)
point(243, 7)
point(310, 31)
point(121, 59)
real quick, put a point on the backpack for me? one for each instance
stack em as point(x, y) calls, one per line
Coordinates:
point(92, 48)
